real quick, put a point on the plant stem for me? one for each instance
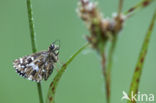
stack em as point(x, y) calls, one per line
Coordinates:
point(103, 62)
point(140, 5)
point(54, 83)
point(31, 26)
point(33, 44)
point(120, 7)
point(110, 61)
point(40, 92)
point(110, 56)
point(139, 66)
point(107, 71)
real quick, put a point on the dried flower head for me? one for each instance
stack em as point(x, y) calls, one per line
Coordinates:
point(101, 29)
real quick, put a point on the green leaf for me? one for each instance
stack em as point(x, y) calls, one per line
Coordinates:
point(138, 70)
point(54, 83)
point(140, 5)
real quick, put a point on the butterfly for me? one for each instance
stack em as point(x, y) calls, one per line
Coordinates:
point(37, 66)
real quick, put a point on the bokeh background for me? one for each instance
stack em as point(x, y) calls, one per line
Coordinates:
point(83, 80)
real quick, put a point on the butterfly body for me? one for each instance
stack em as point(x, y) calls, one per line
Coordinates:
point(38, 66)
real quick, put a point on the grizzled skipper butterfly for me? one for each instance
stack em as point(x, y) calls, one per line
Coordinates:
point(37, 66)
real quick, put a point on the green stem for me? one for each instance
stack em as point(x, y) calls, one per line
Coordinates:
point(33, 44)
point(120, 7)
point(110, 56)
point(139, 66)
point(103, 62)
point(40, 92)
point(54, 83)
point(110, 62)
point(140, 5)
point(31, 26)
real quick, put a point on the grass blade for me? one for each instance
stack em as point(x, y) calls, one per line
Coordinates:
point(138, 70)
point(54, 83)
point(32, 35)
point(140, 5)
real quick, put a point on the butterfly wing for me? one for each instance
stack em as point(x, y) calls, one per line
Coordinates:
point(34, 67)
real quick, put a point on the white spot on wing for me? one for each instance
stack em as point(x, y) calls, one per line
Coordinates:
point(30, 77)
point(21, 60)
point(22, 66)
point(19, 66)
point(43, 70)
point(35, 67)
point(32, 58)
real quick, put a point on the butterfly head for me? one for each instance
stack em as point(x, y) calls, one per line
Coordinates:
point(54, 48)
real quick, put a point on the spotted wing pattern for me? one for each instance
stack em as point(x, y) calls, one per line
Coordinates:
point(35, 67)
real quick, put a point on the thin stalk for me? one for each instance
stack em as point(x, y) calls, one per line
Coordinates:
point(110, 55)
point(139, 66)
point(31, 26)
point(120, 7)
point(40, 92)
point(140, 5)
point(118, 19)
point(54, 83)
point(33, 44)
point(103, 62)
point(110, 62)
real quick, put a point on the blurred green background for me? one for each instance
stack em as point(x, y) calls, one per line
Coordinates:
point(83, 80)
